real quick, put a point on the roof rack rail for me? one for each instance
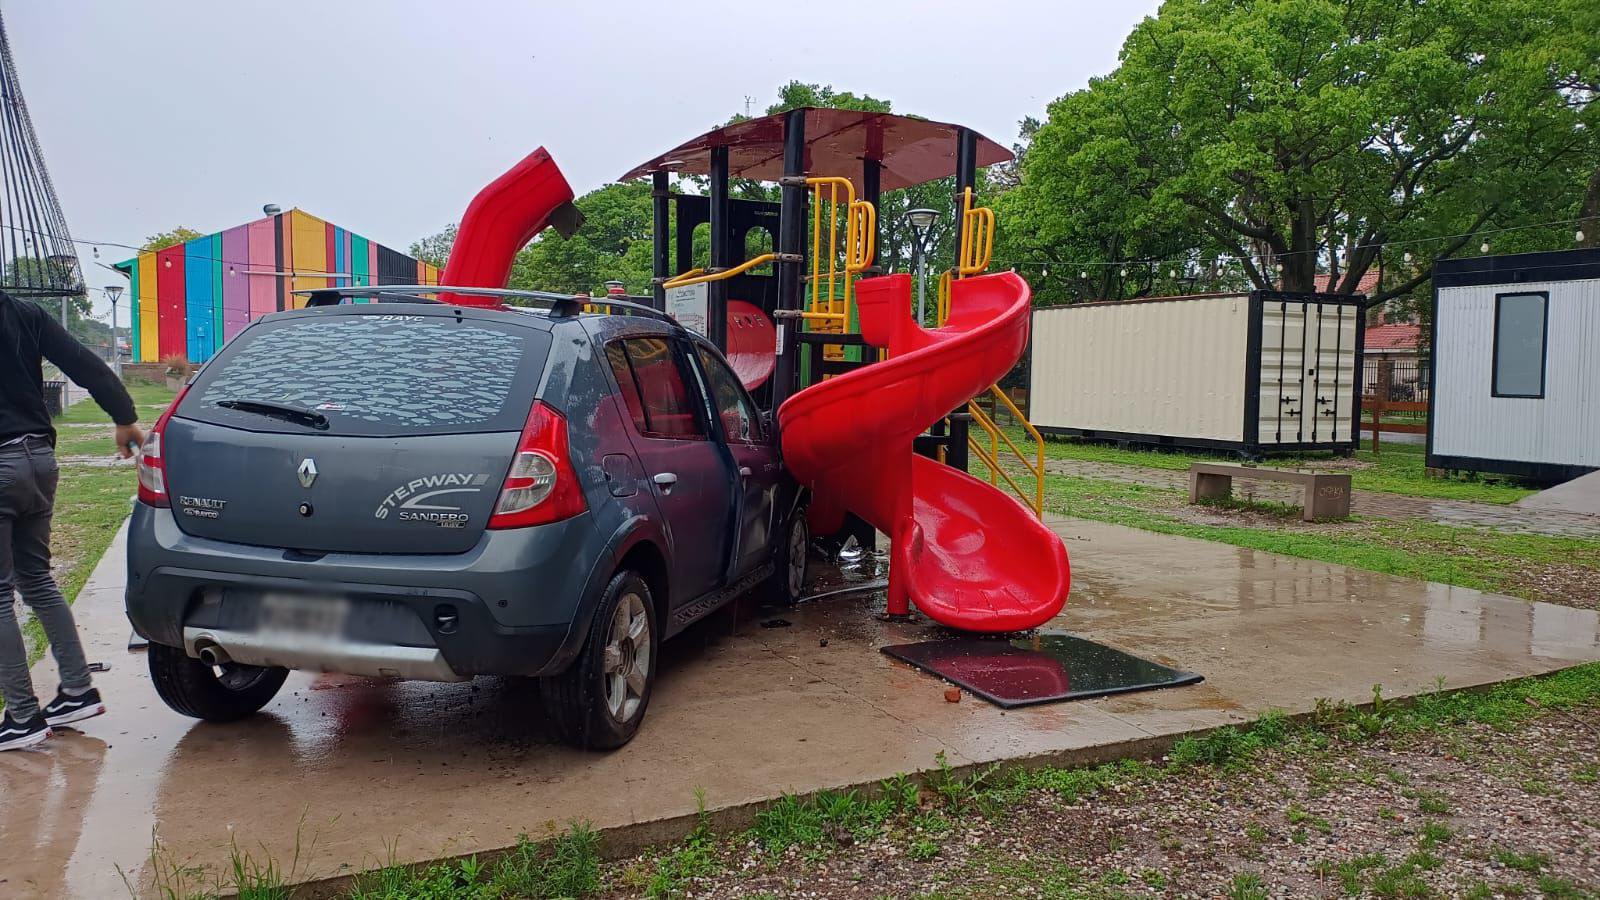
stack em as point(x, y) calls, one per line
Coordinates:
point(561, 305)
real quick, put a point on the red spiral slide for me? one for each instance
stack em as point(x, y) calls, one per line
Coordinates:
point(969, 555)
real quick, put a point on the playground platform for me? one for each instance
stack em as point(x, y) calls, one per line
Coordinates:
point(352, 771)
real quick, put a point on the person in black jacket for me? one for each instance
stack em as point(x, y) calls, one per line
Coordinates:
point(29, 334)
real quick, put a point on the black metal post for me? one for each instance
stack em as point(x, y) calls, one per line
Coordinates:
point(966, 177)
point(660, 206)
point(791, 247)
point(955, 453)
point(721, 252)
point(871, 177)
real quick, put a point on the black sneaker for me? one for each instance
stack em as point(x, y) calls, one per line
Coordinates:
point(67, 708)
point(15, 735)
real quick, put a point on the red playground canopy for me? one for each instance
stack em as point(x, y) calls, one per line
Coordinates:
point(911, 151)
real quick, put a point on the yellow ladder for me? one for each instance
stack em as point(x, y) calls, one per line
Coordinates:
point(834, 268)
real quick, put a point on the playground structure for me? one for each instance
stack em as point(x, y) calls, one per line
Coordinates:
point(874, 409)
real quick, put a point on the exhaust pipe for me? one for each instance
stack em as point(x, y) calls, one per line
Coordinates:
point(212, 655)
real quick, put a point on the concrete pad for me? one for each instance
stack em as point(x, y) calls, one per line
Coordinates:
point(1580, 495)
point(357, 772)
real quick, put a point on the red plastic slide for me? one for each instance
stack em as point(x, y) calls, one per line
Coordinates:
point(503, 217)
point(968, 554)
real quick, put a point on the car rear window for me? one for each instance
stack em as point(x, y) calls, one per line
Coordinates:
point(377, 374)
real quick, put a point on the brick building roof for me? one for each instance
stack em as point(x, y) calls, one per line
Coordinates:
point(1396, 336)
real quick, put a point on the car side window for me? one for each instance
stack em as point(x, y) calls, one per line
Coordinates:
point(740, 421)
point(617, 356)
point(653, 388)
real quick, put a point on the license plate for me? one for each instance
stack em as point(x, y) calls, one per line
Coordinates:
point(304, 614)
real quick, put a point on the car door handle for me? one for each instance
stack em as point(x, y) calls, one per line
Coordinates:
point(744, 471)
point(666, 481)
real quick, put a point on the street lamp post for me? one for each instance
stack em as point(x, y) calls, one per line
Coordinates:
point(921, 221)
point(114, 293)
point(62, 267)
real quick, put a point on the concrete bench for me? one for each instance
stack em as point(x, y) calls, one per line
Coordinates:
point(1327, 495)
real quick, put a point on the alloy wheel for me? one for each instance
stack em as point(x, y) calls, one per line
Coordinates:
point(625, 662)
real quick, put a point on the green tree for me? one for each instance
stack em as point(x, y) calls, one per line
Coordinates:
point(435, 248)
point(1307, 133)
point(613, 244)
point(169, 238)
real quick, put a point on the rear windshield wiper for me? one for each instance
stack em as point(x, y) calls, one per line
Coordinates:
point(288, 412)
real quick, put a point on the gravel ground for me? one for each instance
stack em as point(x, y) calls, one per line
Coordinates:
point(1472, 812)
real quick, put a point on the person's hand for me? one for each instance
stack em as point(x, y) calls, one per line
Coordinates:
point(128, 437)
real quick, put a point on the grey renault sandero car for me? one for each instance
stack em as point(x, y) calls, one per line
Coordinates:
point(415, 489)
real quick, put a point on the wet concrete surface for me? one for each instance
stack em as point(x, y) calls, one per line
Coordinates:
point(356, 772)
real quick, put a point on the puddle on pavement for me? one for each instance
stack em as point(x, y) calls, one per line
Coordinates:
point(849, 569)
point(1038, 668)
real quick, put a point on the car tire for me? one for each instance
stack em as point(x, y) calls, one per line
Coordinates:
point(788, 578)
point(600, 700)
point(222, 694)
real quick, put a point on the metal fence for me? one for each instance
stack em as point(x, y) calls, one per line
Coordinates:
point(1407, 378)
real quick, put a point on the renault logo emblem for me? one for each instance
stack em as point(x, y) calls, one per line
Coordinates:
point(307, 472)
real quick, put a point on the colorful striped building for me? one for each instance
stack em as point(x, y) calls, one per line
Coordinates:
point(191, 298)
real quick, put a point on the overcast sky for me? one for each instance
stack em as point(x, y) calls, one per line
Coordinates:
point(385, 117)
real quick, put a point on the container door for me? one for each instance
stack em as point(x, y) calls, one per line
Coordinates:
point(1308, 371)
point(1329, 383)
point(1283, 343)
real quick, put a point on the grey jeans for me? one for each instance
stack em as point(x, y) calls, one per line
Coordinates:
point(28, 478)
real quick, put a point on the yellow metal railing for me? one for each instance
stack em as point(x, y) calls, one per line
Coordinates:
point(1034, 500)
point(834, 267)
point(976, 252)
point(977, 236)
point(941, 300)
point(701, 276)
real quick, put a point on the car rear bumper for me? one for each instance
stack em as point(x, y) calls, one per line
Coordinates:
point(506, 607)
point(352, 657)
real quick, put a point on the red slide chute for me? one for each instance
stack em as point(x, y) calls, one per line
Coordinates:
point(968, 554)
point(502, 219)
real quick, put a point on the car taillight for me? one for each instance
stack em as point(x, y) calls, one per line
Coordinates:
point(152, 464)
point(542, 486)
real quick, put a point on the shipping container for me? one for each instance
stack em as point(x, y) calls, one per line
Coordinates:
point(1253, 373)
point(1516, 365)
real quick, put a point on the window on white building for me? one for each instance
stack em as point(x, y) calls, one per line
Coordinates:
point(1519, 344)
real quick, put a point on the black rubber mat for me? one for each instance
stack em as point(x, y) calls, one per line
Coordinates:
point(1011, 672)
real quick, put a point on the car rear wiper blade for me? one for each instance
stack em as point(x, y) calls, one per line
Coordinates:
point(288, 412)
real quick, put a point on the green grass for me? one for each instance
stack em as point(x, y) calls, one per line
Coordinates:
point(1398, 469)
point(567, 866)
point(148, 399)
point(1469, 557)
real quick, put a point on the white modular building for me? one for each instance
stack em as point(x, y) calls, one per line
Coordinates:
point(1252, 372)
point(1515, 359)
